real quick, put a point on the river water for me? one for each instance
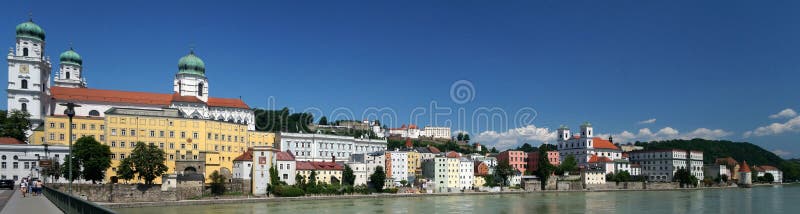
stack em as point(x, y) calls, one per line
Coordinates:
point(762, 199)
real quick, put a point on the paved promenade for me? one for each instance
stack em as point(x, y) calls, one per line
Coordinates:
point(31, 204)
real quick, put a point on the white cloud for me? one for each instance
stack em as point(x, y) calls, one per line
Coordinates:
point(786, 113)
point(793, 125)
point(513, 137)
point(783, 154)
point(668, 133)
point(648, 121)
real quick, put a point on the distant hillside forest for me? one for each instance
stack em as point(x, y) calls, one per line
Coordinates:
point(283, 121)
point(741, 151)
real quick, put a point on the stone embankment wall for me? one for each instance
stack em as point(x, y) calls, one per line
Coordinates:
point(117, 193)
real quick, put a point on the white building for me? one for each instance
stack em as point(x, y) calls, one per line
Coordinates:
point(466, 174)
point(410, 131)
point(717, 170)
point(29, 73)
point(370, 162)
point(286, 166)
point(243, 166)
point(440, 132)
point(777, 174)
point(661, 165)
point(585, 145)
point(491, 162)
point(18, 161)
point(322, 147)
point(593, 176)
point(437, 172)
point(397, 166)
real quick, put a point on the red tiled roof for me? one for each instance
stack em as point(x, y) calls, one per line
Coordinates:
point(768, 168)
point(729, 161)
point(434, 150)
point(598, 159)
point(246, 156)
point(10, 140)
point(285, 156)
point(600, 143)
point(453, 155)
point(745, 167)
point(314, 165)
point(138, 98)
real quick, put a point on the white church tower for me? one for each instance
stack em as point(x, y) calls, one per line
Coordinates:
point(29, 73)
point(191, 78)
point(70, 73)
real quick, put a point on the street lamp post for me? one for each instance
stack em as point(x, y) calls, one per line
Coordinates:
point(70, 112)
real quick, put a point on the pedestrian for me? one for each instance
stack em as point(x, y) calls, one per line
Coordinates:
point(23, 187)
point(30, 187)
point(38, 187)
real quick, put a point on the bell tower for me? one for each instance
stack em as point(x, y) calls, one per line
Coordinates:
point(191, 78)
point(70, 72)
point(29, 73)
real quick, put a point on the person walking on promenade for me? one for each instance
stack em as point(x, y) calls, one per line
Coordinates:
point(23, 187)
point(30, 187)
point(38, 187)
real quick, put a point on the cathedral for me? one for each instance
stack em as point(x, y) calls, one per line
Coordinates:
point(30, 89)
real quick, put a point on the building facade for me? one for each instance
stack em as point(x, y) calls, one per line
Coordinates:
point(18, 161)
point(517, 159)
point(583, 146)
point(319, 147)
point(661, 165)
point(286, 166)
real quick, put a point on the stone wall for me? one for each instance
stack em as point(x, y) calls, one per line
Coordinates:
point(632, 186)
point(118, 192)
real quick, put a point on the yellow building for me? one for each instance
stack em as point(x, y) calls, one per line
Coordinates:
point(219, 142)
point(478, 181)
point(414, 164)
point(327, 172)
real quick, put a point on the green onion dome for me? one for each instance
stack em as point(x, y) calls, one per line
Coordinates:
point(191, 64)
point(71, 57)
point(30, 30)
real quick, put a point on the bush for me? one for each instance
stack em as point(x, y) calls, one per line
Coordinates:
point(288, 191)
point(390, 190)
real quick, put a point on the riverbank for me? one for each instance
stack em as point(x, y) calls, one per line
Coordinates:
point(372, 196)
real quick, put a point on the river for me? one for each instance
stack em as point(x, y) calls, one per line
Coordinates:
point(761, 199)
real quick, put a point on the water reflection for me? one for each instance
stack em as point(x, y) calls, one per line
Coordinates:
point(756, 200)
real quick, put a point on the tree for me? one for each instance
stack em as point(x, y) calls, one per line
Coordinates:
point(466, 137)
point(146, 161)
point(217, 183)
point(93, 157)
point(312, 179)
point(683, 177)
point(403, 182)
point(769, 178)
point(300, 181)
point(323, 120)
point(15, 125)
point(624, 176)
point(490, 180)
point(274, 180)
point(724, 178)
point(125, 170)
point(545, 168)
point(503, 171)
point(76, 168)
point(569, 165)
point(460, 136)
point(494, 150)
point(378, 179)
point(526, 147)
point(54, 170)
point(348, 177)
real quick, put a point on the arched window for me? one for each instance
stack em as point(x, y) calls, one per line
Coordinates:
point(25, 52)
point(24, 84)
point(179, 86)
point(25, 107)
point(94, 113)
point(67, 75)
point(200, 89)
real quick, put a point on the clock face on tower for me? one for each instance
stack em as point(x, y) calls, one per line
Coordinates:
point(23, 69)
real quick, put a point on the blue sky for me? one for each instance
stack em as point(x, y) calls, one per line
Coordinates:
point(714, 69)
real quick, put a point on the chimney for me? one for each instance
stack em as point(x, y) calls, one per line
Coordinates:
point(333, 158)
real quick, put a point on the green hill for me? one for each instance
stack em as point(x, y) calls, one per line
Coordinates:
point(741, 151)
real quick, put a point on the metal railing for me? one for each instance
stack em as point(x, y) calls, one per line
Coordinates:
point(71, 204)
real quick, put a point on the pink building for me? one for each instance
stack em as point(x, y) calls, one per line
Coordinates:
point(533, 160)
point(517, 159)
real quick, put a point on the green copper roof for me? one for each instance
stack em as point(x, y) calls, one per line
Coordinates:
point(191, 64)
point(30, 30)
point(586, 123)
point(70, 57)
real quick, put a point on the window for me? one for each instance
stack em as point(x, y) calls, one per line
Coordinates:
point(194, 146)
point(102, 137)
point(195, 135)
point(67, 74)
point(171, 145)
point(152, 133)
point(102, 127)
point(3, 166)
point(92, 127)
point(183, 134)
point(25, 107)
point(183, 146)
point(113, 132)
point(161, 145)
point(133, 132)
point(24, 51)
point(121, 144)
point(113, 156)
point(200, 89)
point(161, 133)
point(209, 136)
point(52, 125)
point(83, 126)
point(16, 165)
point(171, 157)
point(52, 136)
point(113, 143)
point(121, 156)
point(60, 136)
point(133, 144)
point(61, 125)
point(94, 113)
point(171, 133)
point(122, 132)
